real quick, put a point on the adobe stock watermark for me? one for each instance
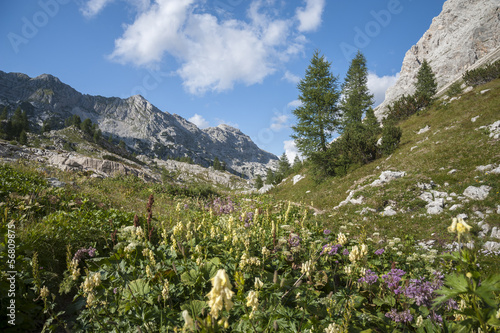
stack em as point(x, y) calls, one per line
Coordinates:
point(31, 24)
point(364, 35)
point(279, 121)
point(11, 273)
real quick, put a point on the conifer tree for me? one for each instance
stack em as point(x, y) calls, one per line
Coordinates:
point(426, 85)
point(317, 116)
point(371, 123)
point(297, 163)
point(356, 98)
point(258, 182)
point(283, 165)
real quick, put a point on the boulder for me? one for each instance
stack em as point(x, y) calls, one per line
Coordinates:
point(477, 193)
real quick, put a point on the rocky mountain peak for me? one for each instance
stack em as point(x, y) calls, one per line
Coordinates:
point(465, 35)
point(144, 128)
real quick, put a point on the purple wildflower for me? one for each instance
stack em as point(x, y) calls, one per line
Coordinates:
point(80, 254)
point(369, 278)
point(186, 206)
point(294, 241)
point(422, 291)
point(327, 231)
point(345, 252)
point(400, 317)
point(392, 280)
point(330, 249)
point(379, 251)
point(115, 290)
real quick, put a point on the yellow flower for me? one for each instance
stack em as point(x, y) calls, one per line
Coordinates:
point(462, 226)
point(341, 239)
point(220, 294)
point(188, 321)
point(453, 226)
point(253, 300)
point(258, 283)
point(44, 292)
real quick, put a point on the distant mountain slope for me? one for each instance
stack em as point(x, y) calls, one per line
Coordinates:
point(464, 35)
point(143, 127)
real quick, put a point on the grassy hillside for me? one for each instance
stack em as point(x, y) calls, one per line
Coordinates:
point(453, 142)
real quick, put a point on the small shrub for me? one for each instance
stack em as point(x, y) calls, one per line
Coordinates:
point(482, 74)
point(455, 89)
point(391, 135)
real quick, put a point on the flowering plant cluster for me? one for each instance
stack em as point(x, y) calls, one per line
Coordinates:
point(247, 266)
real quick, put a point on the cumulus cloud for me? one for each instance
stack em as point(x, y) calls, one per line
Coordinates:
point(310, 16)
point(199, 121)
point(290, 77)
point(291, 150)
point(93, 7)
point(294, 104)
point(214, 53)
point(378, 85)
point(279, 121)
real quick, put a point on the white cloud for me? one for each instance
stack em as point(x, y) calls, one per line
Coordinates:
point(215, 53)
point(290, 77)
point(294, 104)
point(279, 121)
point(199, 121)
point(291, 150)
point(229, 123)
point(93, 7)
point(378, 85)
point(310, 16)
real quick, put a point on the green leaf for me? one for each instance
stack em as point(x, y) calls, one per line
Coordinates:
point(194, 307)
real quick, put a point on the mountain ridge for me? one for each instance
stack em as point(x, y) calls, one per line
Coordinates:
point(145, 129)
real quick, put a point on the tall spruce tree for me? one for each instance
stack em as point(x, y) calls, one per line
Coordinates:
point(318, 115)
point(356, 98)
point(426, 85)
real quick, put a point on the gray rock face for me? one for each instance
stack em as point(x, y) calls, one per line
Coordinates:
point(143, 127)
point(464, 35)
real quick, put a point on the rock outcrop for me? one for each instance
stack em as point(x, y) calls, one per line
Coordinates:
point(144, 128)
point(463, 36)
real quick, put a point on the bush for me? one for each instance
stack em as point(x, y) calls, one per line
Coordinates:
point(455, 89)
point(391, 135)
point(406, 106)
point(482, 74)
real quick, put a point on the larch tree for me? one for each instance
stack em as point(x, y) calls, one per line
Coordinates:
point(356, 98)
point(317, 117)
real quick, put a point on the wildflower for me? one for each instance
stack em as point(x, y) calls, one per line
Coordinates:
point(392, 279)
point(420, 321)
point(188, 321)
point(75, 271)
point(462, 226)
point(354, 254)
point(220, 294)
point(348, 270)
point(80, 254)
point(115, 290)
point(453, 227)
point(345, 252)
point(258, 283)
point(379, 251)
point(44, 292)
point(164, 291)
point(333, 328)
point(327, 231)
point(341, 238)
point(369, 278)
point(294, 240)
point(400, 317)
point(498, 314)
point(307, 267)
point(90, 299)
point(330, 249)
point(265, 252)
point(252, 301)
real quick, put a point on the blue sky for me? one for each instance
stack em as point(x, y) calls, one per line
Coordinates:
point(211, 61)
